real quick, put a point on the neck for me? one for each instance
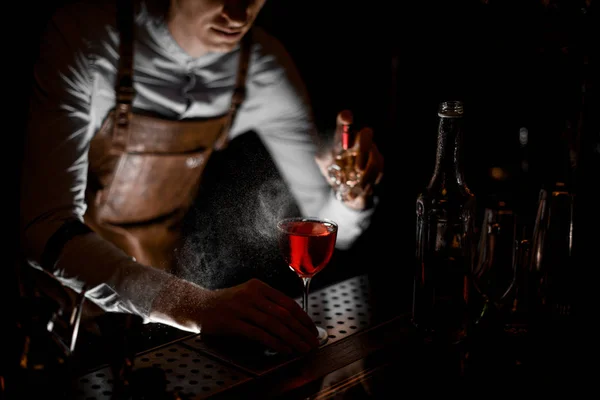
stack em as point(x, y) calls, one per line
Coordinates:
point(183, 34)
point(448, 164)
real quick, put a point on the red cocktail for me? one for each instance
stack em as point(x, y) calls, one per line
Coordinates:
point(307, 245)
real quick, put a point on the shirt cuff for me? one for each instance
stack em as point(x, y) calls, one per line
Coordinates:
point(111, 278)
point(351, 223)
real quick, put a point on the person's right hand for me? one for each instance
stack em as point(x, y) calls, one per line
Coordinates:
point(253, 310)
point(369, 161)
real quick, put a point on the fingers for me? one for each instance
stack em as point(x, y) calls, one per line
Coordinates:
point(253, 310)
point(373, 172)
point(369, 159)
point(308, 334)
point(257, 334)
point(280, 317)
point(278, 323)
point(295, 311)
point(364, 142)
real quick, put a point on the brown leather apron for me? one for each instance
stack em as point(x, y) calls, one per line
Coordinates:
point(144, 171)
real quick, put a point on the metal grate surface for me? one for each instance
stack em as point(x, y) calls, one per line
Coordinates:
point(188, 373)
point(195, 368)
point(342, 309)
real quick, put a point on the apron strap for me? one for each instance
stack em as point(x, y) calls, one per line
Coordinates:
point(239, 92)
point(124, 85)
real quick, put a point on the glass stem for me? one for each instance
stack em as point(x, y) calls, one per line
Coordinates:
point(306, 284)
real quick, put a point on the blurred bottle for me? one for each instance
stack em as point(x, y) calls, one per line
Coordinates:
point(445, 238)
point(40, 363)
point(552, 266)
point(121, 334)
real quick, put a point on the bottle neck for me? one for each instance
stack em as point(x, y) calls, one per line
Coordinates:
point(449, 169)
point(346, 139)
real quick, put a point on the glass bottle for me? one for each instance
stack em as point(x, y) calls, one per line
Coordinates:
point(41, 364)
point(444, 238)
point(343, 173)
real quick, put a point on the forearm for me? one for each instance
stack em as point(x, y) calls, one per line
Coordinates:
point(112, 280)
point(179, 303)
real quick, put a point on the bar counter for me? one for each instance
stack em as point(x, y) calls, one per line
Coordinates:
point(372, 352)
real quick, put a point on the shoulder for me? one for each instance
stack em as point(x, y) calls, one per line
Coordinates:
point(275, 82)
point(88, 29)
point(76, 29)
point(85, 17)
point(270, 60)
point(91, 23)
point(266, 44)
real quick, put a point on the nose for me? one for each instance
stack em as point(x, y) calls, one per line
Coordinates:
point(237, 12)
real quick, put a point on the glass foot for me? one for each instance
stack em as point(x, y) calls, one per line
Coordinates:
point(323, 336)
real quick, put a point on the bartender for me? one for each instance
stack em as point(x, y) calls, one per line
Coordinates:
point(131, 101)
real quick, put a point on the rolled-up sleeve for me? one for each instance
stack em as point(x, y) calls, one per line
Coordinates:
point(54, 175)
point(278, 109)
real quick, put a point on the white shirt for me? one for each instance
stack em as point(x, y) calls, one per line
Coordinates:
point(74, 91)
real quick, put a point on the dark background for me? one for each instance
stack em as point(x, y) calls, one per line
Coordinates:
point(514, 64)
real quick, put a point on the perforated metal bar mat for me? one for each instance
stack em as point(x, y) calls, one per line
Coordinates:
point(197, 368)
point(342, 309)
point(188, 373)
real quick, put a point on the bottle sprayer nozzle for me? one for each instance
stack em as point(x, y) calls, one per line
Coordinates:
point(346, 142)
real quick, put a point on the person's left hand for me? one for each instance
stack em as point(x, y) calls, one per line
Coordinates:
point(369, 160)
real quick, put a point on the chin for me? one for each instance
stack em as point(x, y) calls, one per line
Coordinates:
point(223, 47)
point(218, 44)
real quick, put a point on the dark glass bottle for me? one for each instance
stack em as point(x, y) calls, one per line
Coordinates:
point(444, 238)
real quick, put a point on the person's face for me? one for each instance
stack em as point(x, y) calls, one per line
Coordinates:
point(215, 25)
